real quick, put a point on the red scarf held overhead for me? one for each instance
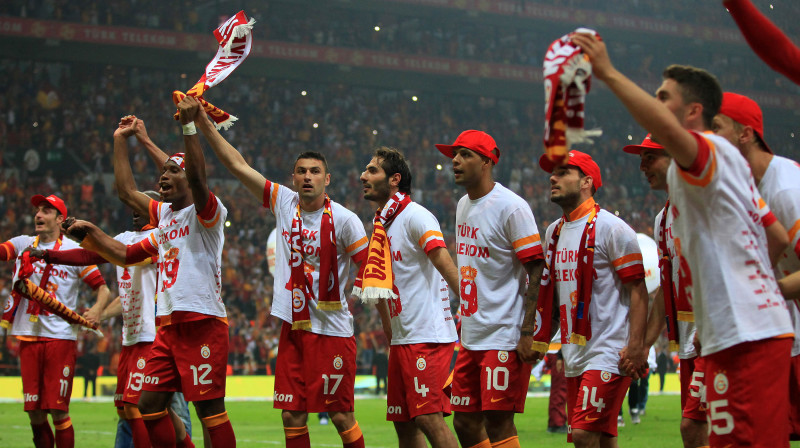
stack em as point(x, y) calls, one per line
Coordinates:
point(676, 304)
point(567, 80)
point(375, 280)
point(581, 321)
point(234, 40)
point(302, 284)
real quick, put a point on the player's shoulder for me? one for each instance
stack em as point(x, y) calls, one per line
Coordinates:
point(506, 199)
point(342, 213)
point(609, 223)
point(67, 244)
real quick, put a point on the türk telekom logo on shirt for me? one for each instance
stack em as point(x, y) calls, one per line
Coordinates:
point(470, 250)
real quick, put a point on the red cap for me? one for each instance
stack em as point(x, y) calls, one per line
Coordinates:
point(579, 160)
point(745, 111)
point(477, 141)
point(53, 200)
point(647, 143)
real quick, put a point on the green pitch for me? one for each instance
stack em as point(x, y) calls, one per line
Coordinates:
point(257, 424)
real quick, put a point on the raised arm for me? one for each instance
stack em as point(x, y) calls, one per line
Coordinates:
point(158, 156)
point(190, 111)
point(231, 158)
point(649, 112)
point(123, 175)
point(534, 269)
point(766, 40)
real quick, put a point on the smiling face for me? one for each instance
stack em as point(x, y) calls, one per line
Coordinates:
point(377, 186)
point(654, 164)
point(47, 220)
point(173, 185)
point(310, 179)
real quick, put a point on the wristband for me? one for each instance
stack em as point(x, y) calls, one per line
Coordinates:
point(526, 333)
point(189, 129)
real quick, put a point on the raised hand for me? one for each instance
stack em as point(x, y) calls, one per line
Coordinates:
point(126, 127)
point(76, 229)
point(188, 109)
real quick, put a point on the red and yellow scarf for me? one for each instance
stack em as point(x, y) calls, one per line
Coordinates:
point(301, 283)
point(676, 303)
point(375, 280)
point(581, 321)
point(235, 40)
point(567, 80)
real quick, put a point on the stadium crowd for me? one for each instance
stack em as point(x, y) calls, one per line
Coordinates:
point(406, 33)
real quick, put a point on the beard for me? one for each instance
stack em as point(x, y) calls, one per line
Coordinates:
point(567, 200)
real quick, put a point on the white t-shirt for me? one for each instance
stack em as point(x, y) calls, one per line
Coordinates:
point(423, 313)
point(495, 236)
point(137, 294)
point(63, 284)
point(617, 260)
point(780, 187)
point(686, 328)
point(189, 259)
point(719, 219)
point(351, 239)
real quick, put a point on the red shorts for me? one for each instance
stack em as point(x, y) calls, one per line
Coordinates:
point(746, 389)
point(794, 398)
point(314, 372)
point(594, 399)
point(692, 385)
point(47, 370)
point(417, 376)
point(130, 373)
point(189, 357)
point(489, 380)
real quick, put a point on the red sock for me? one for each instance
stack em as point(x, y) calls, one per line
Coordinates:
point(352, 438)
point(220, 431)
point(139, 433)
point(297, 437)
point(43, 435)
point(160, 429)
point(186, 442)
point(65, 433)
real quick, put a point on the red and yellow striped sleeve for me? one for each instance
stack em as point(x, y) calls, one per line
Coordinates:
point(270, 195)
point(142, 250)
point(358, 250)
point(92, 277)
point(629, 267)
point(528, 248)
point(702, 170)
point(431, 240)
point(210, 215)
point(766, 215)
point(155, 212)
point(794, 232)
point(7, 251)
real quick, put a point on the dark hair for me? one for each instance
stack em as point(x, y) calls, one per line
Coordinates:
point(313, 155)
point(393, 162)
point(697, 86)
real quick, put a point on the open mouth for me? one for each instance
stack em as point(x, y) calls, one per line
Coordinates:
point(165, 188)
